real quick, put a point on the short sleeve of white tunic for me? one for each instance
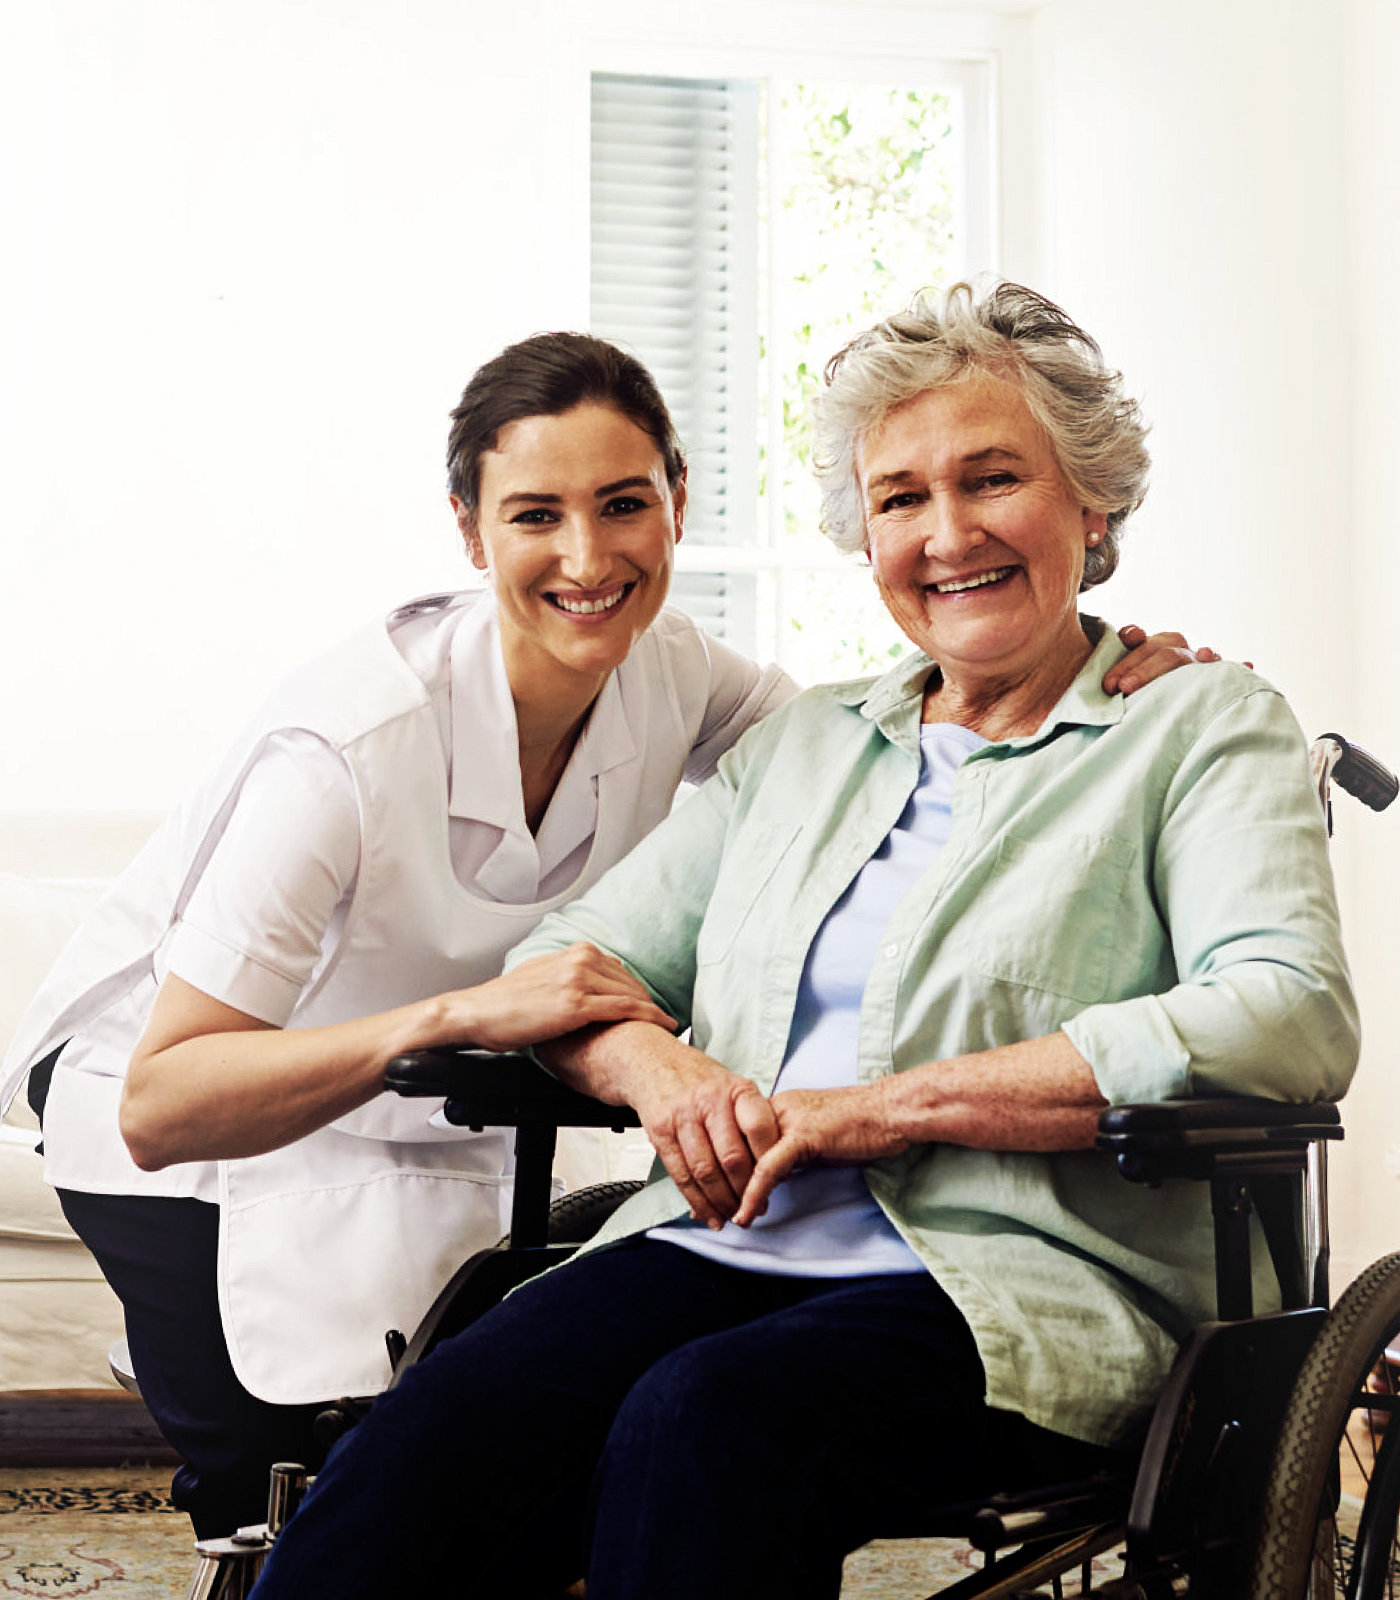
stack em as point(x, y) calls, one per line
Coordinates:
point(268, 906)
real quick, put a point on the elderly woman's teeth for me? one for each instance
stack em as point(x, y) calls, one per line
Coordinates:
point(586, 607)
point(958, 585)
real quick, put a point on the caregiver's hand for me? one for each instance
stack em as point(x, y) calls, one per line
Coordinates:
point(708, 1125)
point(548, 996)
point(1150, 656)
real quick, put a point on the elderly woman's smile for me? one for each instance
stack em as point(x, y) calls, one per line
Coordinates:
point(975, 536)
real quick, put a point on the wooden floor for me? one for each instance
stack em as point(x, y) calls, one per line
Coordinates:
point(78, 1427)
point(1365, 1439)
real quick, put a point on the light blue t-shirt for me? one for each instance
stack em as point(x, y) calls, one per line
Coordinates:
point(823, 1222)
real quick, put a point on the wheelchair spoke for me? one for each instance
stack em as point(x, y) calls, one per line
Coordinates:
point(1373, 1570)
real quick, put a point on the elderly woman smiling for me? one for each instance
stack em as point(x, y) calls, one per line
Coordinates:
point(922, 929)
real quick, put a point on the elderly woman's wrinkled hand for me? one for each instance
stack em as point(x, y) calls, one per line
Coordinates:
point(836, 1127)
point(709, 1126)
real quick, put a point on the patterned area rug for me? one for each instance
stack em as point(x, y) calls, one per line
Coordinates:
point(108, 1531)
point(112, 1532)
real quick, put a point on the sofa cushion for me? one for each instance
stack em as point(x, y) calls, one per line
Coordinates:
point(37, 918)
point(57, 1316)
point(29, 1209)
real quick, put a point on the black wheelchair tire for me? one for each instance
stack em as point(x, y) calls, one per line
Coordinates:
point(576, 1217)
point(1301, 1555)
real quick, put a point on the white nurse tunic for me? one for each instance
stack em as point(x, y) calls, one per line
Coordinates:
point(353, 1229)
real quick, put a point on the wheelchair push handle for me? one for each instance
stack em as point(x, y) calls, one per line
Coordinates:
point(1357, 771)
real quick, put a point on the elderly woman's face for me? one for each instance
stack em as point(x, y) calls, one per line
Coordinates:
point(976, 538)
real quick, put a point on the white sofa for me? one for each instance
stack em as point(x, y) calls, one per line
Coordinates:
point(58, 1318)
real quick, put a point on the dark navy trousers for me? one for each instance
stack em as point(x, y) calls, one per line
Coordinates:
point(160, 1254)
point(670, 1427)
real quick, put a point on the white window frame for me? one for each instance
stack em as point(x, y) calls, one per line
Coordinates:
point(981, 56)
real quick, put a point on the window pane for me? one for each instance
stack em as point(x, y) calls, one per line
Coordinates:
point(742, 232)
point(836, 626)
point(862, 194)
point(673, 229)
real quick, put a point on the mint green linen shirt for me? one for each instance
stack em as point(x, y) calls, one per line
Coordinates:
point(1149, 875)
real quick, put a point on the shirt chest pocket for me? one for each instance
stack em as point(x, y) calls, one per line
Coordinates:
point(1053, 916)
point(750, 866)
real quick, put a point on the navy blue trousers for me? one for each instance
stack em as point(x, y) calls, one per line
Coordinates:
point(672, 1428)
point(159, 1254)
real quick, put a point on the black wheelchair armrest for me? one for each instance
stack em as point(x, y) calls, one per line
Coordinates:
point(508, 1091)
point(1254, 1154)
point(481, 1090)
point(1195, 1138)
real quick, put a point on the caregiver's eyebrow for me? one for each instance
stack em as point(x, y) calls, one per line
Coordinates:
point(641, 482)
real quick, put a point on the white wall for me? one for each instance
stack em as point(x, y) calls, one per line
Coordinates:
point(1195, 215)
point(251, 253)
point(1363, 538)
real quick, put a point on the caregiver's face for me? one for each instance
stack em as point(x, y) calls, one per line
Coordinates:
point(577, 527)
point(976, 538)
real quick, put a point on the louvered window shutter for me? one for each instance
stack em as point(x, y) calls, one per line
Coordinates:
point(674, 279)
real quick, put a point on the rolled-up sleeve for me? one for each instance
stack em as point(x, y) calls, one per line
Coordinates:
point(1263, 1002)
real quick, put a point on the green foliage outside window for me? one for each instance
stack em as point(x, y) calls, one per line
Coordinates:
point(863, 216)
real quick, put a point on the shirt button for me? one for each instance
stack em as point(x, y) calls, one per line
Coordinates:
point(891, 951)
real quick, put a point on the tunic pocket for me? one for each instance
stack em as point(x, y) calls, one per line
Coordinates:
point(1052, 917)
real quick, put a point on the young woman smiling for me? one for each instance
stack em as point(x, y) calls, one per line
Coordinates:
point(208, 1055)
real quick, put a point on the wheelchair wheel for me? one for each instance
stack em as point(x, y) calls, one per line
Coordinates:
point(574, 1218)
point(488, 1276)
point(1327, 1528)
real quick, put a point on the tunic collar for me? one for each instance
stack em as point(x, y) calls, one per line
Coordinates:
point(485, 782)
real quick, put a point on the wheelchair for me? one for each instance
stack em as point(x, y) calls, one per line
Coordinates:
point(1267, 1470)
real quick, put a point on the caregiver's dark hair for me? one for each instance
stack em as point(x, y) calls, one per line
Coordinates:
point(544, 376)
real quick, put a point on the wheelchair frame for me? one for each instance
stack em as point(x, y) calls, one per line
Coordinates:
point(1237, 1486)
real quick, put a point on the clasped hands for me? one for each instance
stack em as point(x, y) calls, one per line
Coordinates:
point(725, 1144)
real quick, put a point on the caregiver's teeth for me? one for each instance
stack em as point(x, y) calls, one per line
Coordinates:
point(972, 583)
point(584, 607)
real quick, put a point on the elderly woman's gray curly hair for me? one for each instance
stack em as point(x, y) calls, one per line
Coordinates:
point(1009, 332)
